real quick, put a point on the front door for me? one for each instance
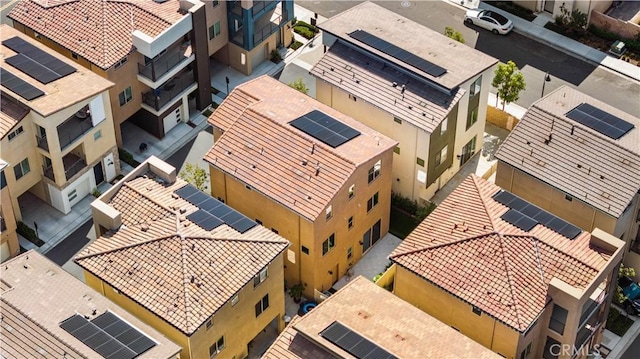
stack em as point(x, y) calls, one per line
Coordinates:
point(549, 5)
point(366, 241)
point(97, 172)
point(376, 233)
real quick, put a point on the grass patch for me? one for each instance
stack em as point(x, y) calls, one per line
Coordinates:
point(295, 45)
point(401, 224)
point(514, 9)
point(618, 323)
point(29, 233)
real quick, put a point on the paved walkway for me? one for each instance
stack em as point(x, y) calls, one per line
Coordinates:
point(537, 31)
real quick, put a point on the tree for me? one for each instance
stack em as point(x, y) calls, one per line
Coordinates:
point(196, 175)
point(299, 85)
point(509, 82)
point(452, 34)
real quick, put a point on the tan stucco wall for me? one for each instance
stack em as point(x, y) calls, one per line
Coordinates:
point(215, 14)
point(9, 237)
point(237, 54)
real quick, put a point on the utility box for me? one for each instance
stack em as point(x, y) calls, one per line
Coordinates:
point(618, 49)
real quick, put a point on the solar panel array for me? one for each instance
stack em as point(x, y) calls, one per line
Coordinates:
point(601, 121)
point(19, 86)
point(324, 128)
point(108, 335)
point(213, 213)
point(36, 62)
point(354, 343)
point(398, 53)
point(525, 216)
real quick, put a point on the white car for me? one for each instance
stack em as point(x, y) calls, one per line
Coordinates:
point(489, 20)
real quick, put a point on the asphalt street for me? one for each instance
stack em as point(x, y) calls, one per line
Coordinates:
point(71, 245)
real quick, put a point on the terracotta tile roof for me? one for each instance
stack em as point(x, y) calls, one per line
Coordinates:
point(98, 30)
point(388, 321)
point(461, 61)
point(11, 113)
point(261, 149)
point(591, 167)
point(38, 295)
point(169, 265)
point(466, 232)
point(421, 105)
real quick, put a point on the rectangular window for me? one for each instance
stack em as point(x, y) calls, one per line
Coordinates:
point(397, 120)
point(472, 117)
point(97, 135)
point(476, 310)
point(328, 244)
point(374, 171)
point(214, 30)
point(552, 349)
point(304, 250)
point(352, 191)
point(558, 319)
point(262, 305)
point(396, 150)
point(349, 252)
point(526, 351)
point(21, 168)
point(260, 277)
point(217, 347)
point(441, 157)
point(475, 87)
point(568, 198)
point(420, 161)
point(329, 212)
point(120, 63)
point(15, 133)
point(443, 126)
point(74, 55)
point(209, 324)
point(372, 202)
point(234, 300)
point(350, 222)
point(125, 96)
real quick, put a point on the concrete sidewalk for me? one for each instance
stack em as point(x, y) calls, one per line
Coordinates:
point(537, 31)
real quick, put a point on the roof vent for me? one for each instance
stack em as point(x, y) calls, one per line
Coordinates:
point(403, 88)
point(304, 162)
point(394, 84)
point(144, 227)
point(317, 170)
point(228, 152)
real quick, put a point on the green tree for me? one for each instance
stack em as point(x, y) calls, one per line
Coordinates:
point(196, 175)
point(452, 34)
point(509, 82)
point(299, 85)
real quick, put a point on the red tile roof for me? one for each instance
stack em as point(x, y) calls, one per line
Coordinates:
point(169, 265)
point(261, 149)
point(591, 167)
point(98, 30)
point(498, 267)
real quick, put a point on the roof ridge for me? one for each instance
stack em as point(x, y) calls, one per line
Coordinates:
point(483, 199)
point(168, 209)
point(126, 246)
point(439, 245)
point(186, 291)
point(505, 254)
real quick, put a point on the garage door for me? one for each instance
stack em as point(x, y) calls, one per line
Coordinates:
point(171, 120)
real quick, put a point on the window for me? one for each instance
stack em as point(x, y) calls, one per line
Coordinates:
point(397, 120)
point(125, 96)
point(217, 347)
point(372, 202)
point(304, 250)
point(247, 187)
point(352, 97)
point(74, 55)
point(472, 117)
point(396, 150)
point(97, 135)
point(476, 310)
point(352, 191)
point(420, 161)
point(329, 212)
point(475, 87)
point(552, 349)
point(442, 156)
point(350, 222)
point(15, 133)
point(568, 198)
point(558, 319)
point(328, 244)
point(349, 252)
point(21, 168)
point(443, 126)
point(526, 351)
point(262, 305)
point(260, 277)
point(209, 324)
point(234, 300)
point(120, 63)
point(214, 30)
point(374, 171)
point(37, 35)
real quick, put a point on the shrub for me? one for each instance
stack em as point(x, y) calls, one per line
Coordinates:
point(304, 32)
point(417, 211)
point(618, 323)
point(295, 45)
point(28, 233)
point(514, 9)
point(311, 28)
point(275, 56)
point(127, 158)
point(452, 34)
point(96, 192)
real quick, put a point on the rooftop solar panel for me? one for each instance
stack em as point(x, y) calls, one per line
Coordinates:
point(19, 86)
point(43, 59)
point(398, 53)
point(354, 343)
point(324, 128)
point(32, 68)
point(519, 220)
point(600, 121)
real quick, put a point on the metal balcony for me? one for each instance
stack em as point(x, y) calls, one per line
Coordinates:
point(74, 127)
point(72, 165)
point(168, 92)
point(165, 63)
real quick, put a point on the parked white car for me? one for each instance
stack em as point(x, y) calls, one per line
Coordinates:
point(489, 20)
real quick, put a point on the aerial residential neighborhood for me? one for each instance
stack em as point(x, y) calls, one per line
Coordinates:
point(320, 179)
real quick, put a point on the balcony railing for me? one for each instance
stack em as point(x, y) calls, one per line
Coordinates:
point(42, 142)
point(48, 172)
point(163, 64)
point(261, 5)
point(166, 93)
point(267, 30)
point(72, 165)
point(74, 127)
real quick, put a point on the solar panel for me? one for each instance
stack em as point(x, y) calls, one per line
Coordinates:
point(108, 335)
point(205, 220)
point(35, 62)
point(533, 213)
point(186, 191)
point(354, 343)
point(324, 128)
point(398, 53)
point(19, 86)
point(601, 121)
